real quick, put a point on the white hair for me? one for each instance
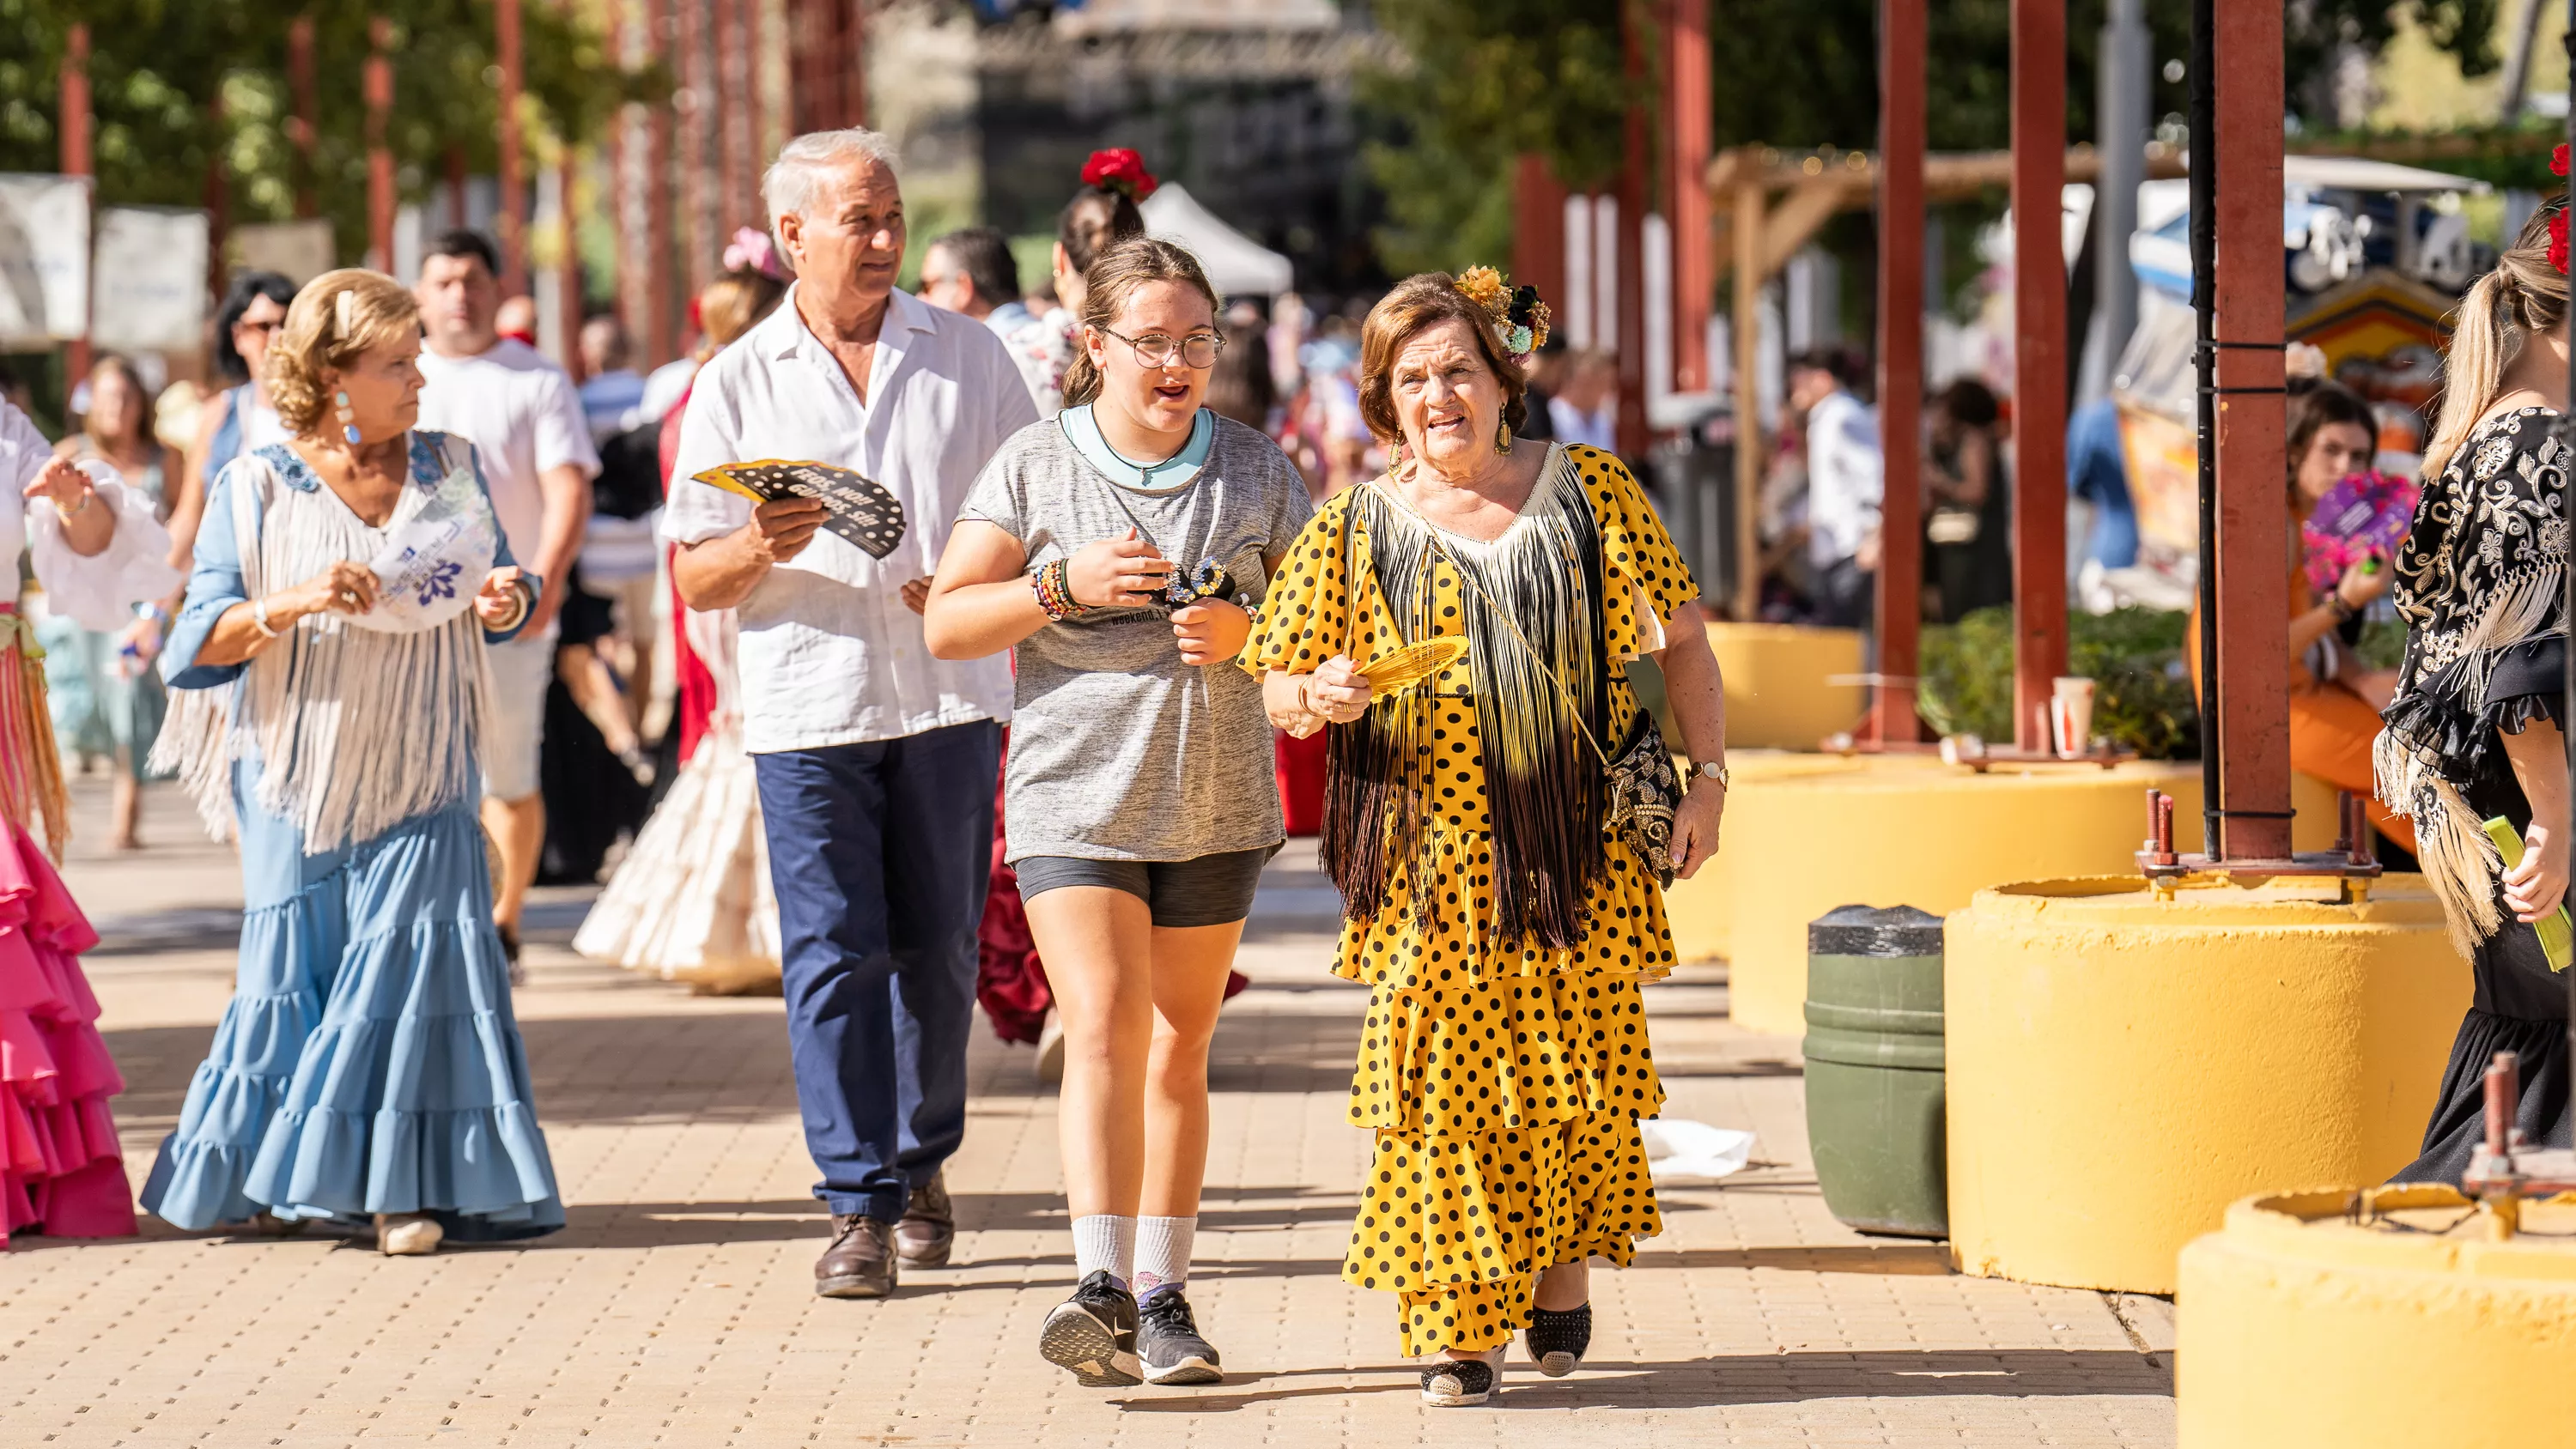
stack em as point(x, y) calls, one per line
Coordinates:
point(788, 187)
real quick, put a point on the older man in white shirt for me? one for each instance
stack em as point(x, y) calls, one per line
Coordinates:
point(876, 761)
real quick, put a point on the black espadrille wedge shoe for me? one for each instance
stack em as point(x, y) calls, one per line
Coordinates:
point(1557, 1339)
point(1457, 1383)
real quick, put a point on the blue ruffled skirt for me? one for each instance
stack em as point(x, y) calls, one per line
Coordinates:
point(369, 1061)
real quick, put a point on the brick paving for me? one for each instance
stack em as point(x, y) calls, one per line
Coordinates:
point(677, 1310)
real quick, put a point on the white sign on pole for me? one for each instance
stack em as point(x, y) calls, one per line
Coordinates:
point(44, 259)
point(296, 250)
point(150, 294)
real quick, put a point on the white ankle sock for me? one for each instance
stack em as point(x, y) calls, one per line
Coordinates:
point(1102, 1242)
point(1163, 1253)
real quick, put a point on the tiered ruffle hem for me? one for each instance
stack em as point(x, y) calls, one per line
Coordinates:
point(61, 1171)
point(1504, 1086)
point(370, 1061)
point(692, 900)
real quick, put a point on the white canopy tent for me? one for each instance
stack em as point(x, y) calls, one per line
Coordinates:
point(1235, 263)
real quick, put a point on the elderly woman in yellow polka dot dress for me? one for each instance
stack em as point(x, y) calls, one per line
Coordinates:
point(1502, 905)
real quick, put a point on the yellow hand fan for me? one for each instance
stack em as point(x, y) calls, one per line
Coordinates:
point(1392, 674)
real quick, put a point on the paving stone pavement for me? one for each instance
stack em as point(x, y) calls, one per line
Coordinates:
point(676, 1309)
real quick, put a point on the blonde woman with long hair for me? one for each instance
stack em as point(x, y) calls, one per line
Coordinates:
point(2473, 731)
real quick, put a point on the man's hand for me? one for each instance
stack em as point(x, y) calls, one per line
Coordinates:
point(1695, 825)
point(782, 527)
point(916, 595)
point(1211, 631)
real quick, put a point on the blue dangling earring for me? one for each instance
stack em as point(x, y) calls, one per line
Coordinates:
point(348, 429)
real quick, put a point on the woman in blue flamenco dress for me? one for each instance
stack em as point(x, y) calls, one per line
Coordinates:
point(329, 679)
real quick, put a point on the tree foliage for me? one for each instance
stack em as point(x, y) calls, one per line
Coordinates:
point(158, 68)
point(1485, 79)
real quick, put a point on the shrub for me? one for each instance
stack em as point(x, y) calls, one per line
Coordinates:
point(2142, 693)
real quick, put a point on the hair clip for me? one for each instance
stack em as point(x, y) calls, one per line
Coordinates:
point(344, 311)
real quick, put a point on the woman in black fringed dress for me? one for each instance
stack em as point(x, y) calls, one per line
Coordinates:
point(2474, 730)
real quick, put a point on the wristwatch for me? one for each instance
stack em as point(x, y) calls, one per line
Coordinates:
point(1711, 770)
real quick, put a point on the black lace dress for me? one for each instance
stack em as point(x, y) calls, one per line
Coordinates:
point(2480, 583)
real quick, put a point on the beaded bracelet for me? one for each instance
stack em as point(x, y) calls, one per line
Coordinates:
point(1055, 592)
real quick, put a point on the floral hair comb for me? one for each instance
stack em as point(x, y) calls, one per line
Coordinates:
point(1519, 318)
point(1121, 170)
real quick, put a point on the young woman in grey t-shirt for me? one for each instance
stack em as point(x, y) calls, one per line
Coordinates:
point(1120, 548)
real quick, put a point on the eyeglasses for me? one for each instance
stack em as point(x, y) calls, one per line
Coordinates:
point(1199, 349)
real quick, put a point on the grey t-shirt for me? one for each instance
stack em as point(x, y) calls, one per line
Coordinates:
point(1118, 750)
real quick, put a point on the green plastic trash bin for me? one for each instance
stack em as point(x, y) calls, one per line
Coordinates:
point(1873, 1049)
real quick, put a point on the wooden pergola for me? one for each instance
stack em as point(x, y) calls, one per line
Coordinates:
point(1766, 204)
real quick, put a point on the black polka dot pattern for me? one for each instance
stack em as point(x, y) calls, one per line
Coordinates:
point(1503, 1081)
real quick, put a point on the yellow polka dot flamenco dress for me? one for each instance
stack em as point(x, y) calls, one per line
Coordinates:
point(1505, 1062)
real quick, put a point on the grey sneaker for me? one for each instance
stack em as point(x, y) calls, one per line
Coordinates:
point(1093, 1333)
point(1168, 1342)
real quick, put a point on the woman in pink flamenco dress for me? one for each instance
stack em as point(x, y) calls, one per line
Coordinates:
point(98, 552)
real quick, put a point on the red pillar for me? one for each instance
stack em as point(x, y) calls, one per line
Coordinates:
point(2039, 356)
point(1687, 102)
point(380, 157)
point(701, 228)
point(1538, 233)
point(305, 127)
point(850, 53)
point(1633, 199)
point(2253, 583)
point(1902, 27)
point(219, 209)
point(75, 123)
point(727, 118)
point(661, 342)
point(514, 201)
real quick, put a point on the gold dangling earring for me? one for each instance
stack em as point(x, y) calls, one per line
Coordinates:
point(1395, 460)
point(1502, 437)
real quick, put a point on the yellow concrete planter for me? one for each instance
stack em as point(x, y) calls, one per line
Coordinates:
point(2121, 1069)
point(1776, 694)
point(2297, 1326)
point(1807, 833)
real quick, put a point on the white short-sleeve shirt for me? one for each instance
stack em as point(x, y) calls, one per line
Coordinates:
point(523, 417)
point(829, 653)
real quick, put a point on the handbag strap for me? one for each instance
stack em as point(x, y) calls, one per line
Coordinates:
point(1468, 578)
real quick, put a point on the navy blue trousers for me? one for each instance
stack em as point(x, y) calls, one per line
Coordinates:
point(879, 853)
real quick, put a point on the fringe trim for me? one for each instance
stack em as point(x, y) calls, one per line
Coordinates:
point(1544, 786)
point(32, 792)
point(2459, 861)
point(355, 730)
point(2521, 610)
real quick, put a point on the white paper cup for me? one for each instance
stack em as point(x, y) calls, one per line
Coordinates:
point(2071, 715)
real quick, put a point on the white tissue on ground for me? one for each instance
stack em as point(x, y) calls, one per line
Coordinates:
point(1677, 1148)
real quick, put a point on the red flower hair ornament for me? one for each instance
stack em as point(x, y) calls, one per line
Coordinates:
point(2558, 218)
point(1121, 170)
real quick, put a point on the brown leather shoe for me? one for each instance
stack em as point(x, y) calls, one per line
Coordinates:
point(860, 1263)
point(929, 1227)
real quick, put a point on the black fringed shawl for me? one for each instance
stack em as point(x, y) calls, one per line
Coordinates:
point(2478, 582)
point(1543, 782)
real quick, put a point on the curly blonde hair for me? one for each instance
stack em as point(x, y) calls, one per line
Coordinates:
point(322, 334)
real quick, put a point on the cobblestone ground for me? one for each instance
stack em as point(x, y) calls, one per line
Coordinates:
point(677, 1308)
